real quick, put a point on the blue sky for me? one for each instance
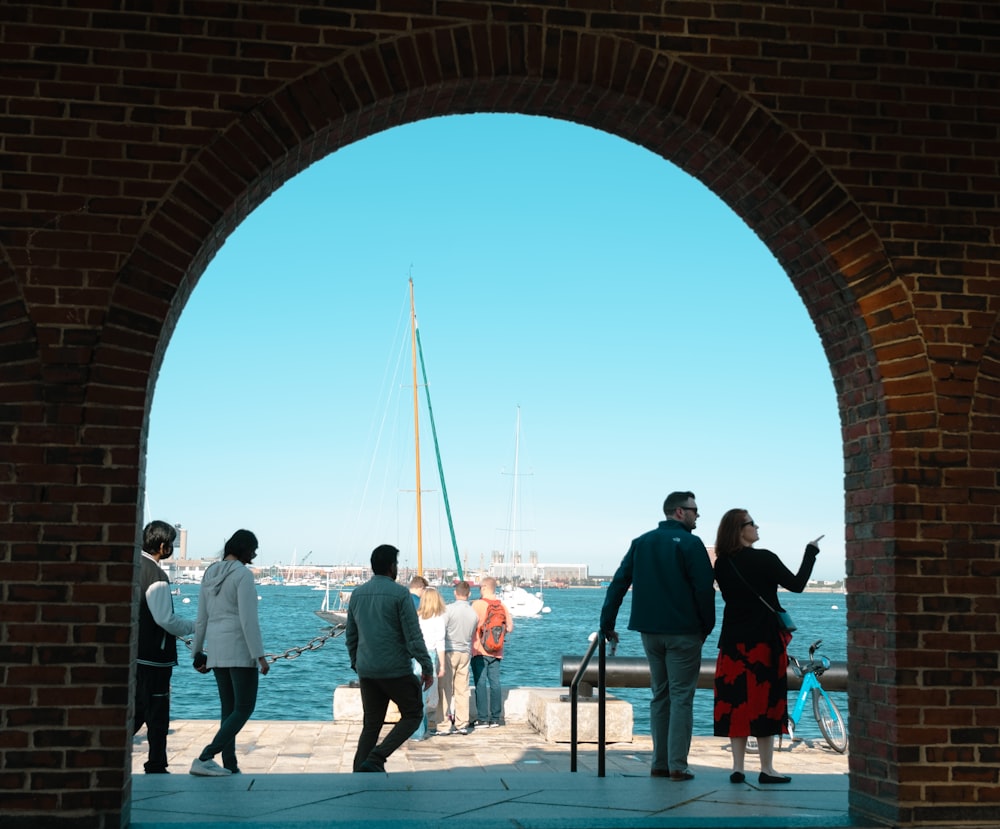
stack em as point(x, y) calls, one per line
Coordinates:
point(649, 338)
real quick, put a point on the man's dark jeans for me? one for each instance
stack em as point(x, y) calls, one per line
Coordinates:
point(406, 692)
point(152, 708)
point(489, 697)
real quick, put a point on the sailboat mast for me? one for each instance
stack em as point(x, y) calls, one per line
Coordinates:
point(416, 430)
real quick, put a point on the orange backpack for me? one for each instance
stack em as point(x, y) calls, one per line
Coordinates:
point(494, 627)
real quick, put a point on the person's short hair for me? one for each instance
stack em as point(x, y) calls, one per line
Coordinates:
point(462, 589)
point(489, 583)
point(242, 545)
point(383, 557)
point(156, 533)
point(675, 500)
point(418, 583)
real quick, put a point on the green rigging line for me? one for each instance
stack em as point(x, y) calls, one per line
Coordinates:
point(437, 454)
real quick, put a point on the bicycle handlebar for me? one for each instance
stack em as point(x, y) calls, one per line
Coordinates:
point(814, 666)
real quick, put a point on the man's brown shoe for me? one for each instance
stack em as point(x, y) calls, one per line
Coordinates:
point(659, 773)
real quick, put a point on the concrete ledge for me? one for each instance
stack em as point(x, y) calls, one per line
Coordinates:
point(551, 717)
point(347, 705)
point(541, 708)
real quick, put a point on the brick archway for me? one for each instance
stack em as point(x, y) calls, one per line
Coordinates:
point(742, 154)
point(96, 283)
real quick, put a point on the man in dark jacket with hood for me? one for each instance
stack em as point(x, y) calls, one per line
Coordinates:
point(673, 607)
point(157, 653)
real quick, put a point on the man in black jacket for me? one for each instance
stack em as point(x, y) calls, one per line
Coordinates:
point(157, 653)
point(673, 607)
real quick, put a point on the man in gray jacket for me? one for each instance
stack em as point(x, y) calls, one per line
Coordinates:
point(383, 635)
point(673, 607)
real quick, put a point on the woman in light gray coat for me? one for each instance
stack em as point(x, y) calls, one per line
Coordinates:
point(227, 621)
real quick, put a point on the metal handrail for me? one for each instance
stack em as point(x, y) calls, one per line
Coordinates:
point(597, 641)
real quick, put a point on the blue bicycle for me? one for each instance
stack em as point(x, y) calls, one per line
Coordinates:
point(831, 724)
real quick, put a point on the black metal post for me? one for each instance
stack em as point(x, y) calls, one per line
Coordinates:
point(602, 694)
point(574, 690)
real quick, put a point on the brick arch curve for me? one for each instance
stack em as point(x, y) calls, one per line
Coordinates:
point(822, 239)
point(745, 156)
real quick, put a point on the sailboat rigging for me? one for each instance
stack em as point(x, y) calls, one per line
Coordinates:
point(416, 433)
point(418, 354)
point(335, 612)
point(518, 600)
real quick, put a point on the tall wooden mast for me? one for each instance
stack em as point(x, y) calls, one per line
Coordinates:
point(416, 432)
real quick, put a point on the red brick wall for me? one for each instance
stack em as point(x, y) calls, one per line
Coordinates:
point(858, 139)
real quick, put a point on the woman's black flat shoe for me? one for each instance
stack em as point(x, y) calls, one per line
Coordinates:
point(737, 777)
point(765, 779)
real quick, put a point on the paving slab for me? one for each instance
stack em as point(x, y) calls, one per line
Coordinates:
point(297, 775)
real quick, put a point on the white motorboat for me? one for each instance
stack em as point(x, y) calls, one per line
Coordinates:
point(523, 604)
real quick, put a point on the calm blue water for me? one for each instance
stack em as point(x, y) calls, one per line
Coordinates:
point(302, 688)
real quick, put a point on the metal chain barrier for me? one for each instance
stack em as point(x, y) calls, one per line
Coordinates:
point(294, 653)
point(314, 645)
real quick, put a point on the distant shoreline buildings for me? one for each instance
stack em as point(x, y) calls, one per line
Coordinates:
point(533, 573)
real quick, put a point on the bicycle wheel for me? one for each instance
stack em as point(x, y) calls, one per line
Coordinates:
point(830, 722)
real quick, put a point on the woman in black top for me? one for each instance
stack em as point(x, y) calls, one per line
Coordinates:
point(751, 683)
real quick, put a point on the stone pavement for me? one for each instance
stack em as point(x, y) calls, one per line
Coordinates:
point(298, 774)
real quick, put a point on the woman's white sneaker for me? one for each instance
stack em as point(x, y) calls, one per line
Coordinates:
point(208, 768)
